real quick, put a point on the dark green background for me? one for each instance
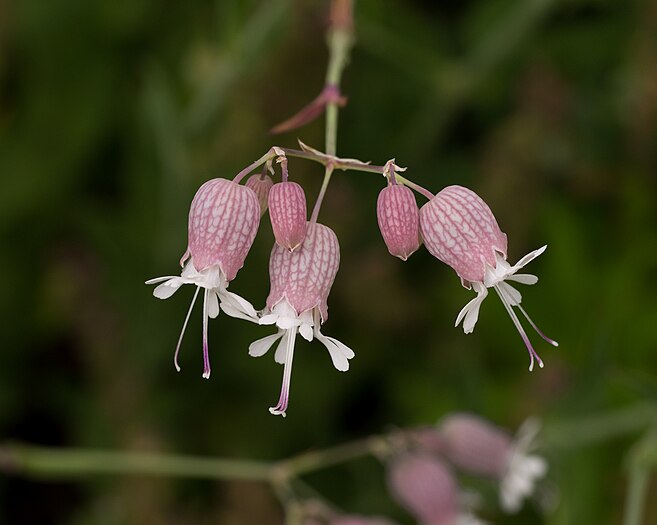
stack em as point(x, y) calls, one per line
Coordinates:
point(113, 113)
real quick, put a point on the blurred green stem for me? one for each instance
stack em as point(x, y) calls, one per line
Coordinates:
point(639, 477)
point(50, 462)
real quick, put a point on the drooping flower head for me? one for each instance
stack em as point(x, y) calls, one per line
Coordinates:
point(427, 489)
point(481, 448)
point(398, 219)
point(223, 222)
point(459, 229)
point(297, 303)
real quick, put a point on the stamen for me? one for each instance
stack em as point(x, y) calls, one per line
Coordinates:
point(281, 407)
point(521, 331)
point(546, 338)
point(182, 332)
point(206, 356)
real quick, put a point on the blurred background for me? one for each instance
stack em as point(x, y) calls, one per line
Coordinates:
point(113, 113)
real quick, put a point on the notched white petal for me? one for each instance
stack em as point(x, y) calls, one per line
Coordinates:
point(261, 346)
point(167, 288)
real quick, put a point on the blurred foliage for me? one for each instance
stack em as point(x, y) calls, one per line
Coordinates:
point(113, 113)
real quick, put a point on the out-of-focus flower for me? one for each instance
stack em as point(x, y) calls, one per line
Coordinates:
point(481, 448)
point(223, 222)
point(287, 211)
point(459, 229)
point(260, 184)
point(426, 488)
point(398, 217)
point(300, 284)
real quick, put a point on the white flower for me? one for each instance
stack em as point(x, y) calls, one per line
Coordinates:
point(497, 278)
point(307, 324)
point(215, 295)
point(523, 470)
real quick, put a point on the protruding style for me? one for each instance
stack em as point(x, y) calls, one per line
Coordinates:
point(459, 229)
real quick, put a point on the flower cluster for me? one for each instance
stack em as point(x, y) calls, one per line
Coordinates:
point(423, 467)
point(456, 226)
point(223, 222)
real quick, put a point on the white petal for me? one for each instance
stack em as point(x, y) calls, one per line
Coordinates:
point(528, 258)
point(306, 331)
point(281, 349)
point(346, 351)
point(261, 346)
point(513, 296)
point(213, 304)
point(160, 279)
point(268, 319)
point(523, 278)
point(239, 304)
point(285, 323)
point(167, 289)
point(470, 312)
point(338, 356)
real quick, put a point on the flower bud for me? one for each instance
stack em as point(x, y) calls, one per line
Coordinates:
point(287, 210)
point(305, 277)
point(475, 445)
point(260, 184)
point(398, 219)
point(459, 228)
point(223, 222)
point(425, 487)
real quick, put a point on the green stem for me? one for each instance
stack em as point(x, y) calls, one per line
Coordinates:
point(637, 490)
point(50, 462)
point(340, 40)
point(319, 459)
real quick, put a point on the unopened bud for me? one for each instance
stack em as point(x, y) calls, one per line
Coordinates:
point(287, 210)
point(399, 221)
point(260, 184)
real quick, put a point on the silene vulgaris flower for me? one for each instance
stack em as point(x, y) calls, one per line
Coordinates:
point(223, 222)
point(459, 229)
point(481, 448)
point(300, 284)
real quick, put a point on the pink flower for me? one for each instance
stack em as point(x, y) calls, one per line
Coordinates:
point(360, 520)
point(481, 448)
point(459, 229)
point(223, 222)
point(427, 489)
point(300, 285)
point(287, 211)
point(398, 219)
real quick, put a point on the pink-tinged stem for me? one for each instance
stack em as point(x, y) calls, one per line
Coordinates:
point(182, 332)
point(206, 353)
point(414, 187)
point(281, 407)
point(546, 338)
point(521, 331)
point(283, 163)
